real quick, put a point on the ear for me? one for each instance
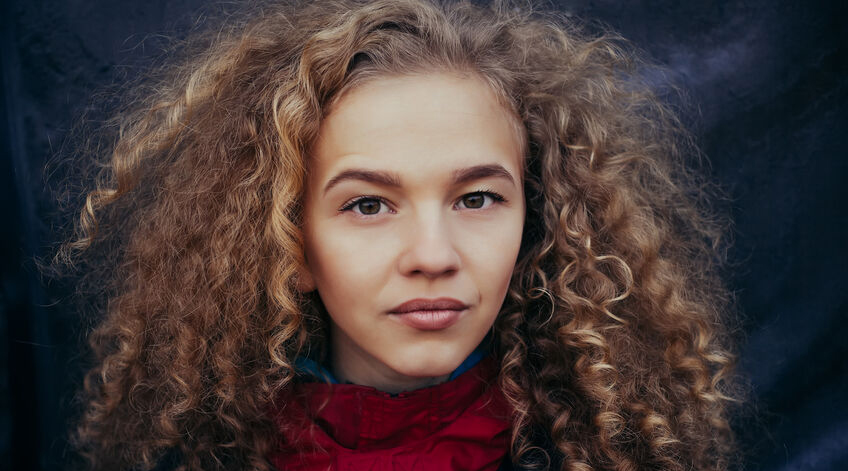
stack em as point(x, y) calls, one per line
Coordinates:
point(305, 282)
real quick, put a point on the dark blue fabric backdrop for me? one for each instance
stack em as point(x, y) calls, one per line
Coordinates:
point(767, 85)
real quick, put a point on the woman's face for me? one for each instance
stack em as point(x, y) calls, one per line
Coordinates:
point(414, 211)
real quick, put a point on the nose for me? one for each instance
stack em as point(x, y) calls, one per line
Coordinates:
point(430, 249)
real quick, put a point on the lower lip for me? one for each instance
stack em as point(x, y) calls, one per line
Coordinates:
point(429, 320)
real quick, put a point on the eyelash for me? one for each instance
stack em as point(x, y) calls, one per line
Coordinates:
point(496, 198)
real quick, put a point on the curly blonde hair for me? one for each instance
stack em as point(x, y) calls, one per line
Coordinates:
point(611, 340)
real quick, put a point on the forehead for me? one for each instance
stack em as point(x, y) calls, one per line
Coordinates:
point(440, 119)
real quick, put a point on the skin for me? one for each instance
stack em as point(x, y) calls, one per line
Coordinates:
point(430, 236)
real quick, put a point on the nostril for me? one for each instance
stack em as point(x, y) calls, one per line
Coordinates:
point(435, 273)
point(431, 261)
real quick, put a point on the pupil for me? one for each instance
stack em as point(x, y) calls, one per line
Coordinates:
point(369, 207)
point(474, 201)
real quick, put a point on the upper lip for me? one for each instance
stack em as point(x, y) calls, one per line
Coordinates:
point(440, 304)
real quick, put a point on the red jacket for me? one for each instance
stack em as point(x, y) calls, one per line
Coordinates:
point(462, 424)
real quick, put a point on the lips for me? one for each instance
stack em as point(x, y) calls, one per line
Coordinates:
point(441, 304)
point(429, 314)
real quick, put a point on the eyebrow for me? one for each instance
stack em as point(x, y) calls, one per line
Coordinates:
point(379, 177)
point(479, 172)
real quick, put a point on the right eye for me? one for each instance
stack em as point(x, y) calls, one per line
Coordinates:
point(366, 206)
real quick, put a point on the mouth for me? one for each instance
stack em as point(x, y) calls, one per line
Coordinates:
point(429, 314)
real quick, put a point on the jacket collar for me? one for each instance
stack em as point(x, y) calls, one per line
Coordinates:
point(459, 424)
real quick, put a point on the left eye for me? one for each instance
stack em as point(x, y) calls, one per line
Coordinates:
point(366, 206)
point(478, 200)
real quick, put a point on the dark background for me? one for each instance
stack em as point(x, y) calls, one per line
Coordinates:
point(766, 84)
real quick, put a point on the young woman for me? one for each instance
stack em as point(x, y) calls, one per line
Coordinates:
point(403, 235)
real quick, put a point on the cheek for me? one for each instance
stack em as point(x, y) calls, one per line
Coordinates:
point(346, 268)
point(491, 255)
point(503, 262)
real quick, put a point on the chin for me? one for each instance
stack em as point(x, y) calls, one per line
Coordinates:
point(428, 365)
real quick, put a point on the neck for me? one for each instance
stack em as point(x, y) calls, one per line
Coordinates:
point(351, 364)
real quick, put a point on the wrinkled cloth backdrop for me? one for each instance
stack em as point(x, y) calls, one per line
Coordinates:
point(766, 83)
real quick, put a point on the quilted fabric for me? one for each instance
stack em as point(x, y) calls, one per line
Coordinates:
point(461, 424)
